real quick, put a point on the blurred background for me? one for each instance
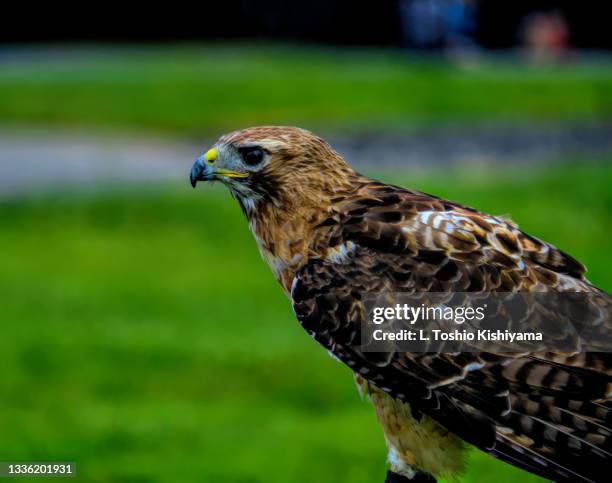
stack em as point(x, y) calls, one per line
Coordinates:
point(143, 337)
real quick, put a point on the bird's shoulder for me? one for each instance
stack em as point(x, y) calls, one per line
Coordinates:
point(391, 220)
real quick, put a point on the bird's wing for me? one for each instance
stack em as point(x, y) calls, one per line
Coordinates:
point(548, 413)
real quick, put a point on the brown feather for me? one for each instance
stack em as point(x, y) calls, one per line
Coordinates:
point(330, 233)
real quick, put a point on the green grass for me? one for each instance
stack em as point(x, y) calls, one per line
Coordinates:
point(144, 338)
point(189, 90)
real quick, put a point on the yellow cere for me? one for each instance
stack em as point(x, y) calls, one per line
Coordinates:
point(211, 155)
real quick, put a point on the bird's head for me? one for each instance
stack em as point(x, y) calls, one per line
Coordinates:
point(270, 164)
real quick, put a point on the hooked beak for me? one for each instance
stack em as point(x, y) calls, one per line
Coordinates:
point(204, 170)
point(200, 172)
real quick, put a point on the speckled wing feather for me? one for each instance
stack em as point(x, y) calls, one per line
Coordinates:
point(548, 413)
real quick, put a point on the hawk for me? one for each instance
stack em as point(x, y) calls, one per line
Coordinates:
point(329, 233)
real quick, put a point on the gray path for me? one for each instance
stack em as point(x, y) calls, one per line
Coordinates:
point(41, 158)
point(34, 158)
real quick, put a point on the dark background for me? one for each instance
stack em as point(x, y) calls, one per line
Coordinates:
point(343, 22)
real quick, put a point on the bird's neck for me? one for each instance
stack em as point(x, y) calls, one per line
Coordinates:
point(285, 226)
point(283, 235)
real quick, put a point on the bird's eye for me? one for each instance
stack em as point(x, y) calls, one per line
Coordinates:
point(252, 156)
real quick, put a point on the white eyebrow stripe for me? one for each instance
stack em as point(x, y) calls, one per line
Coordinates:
point(266, 143)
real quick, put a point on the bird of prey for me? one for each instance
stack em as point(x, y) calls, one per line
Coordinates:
point(329, 233)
